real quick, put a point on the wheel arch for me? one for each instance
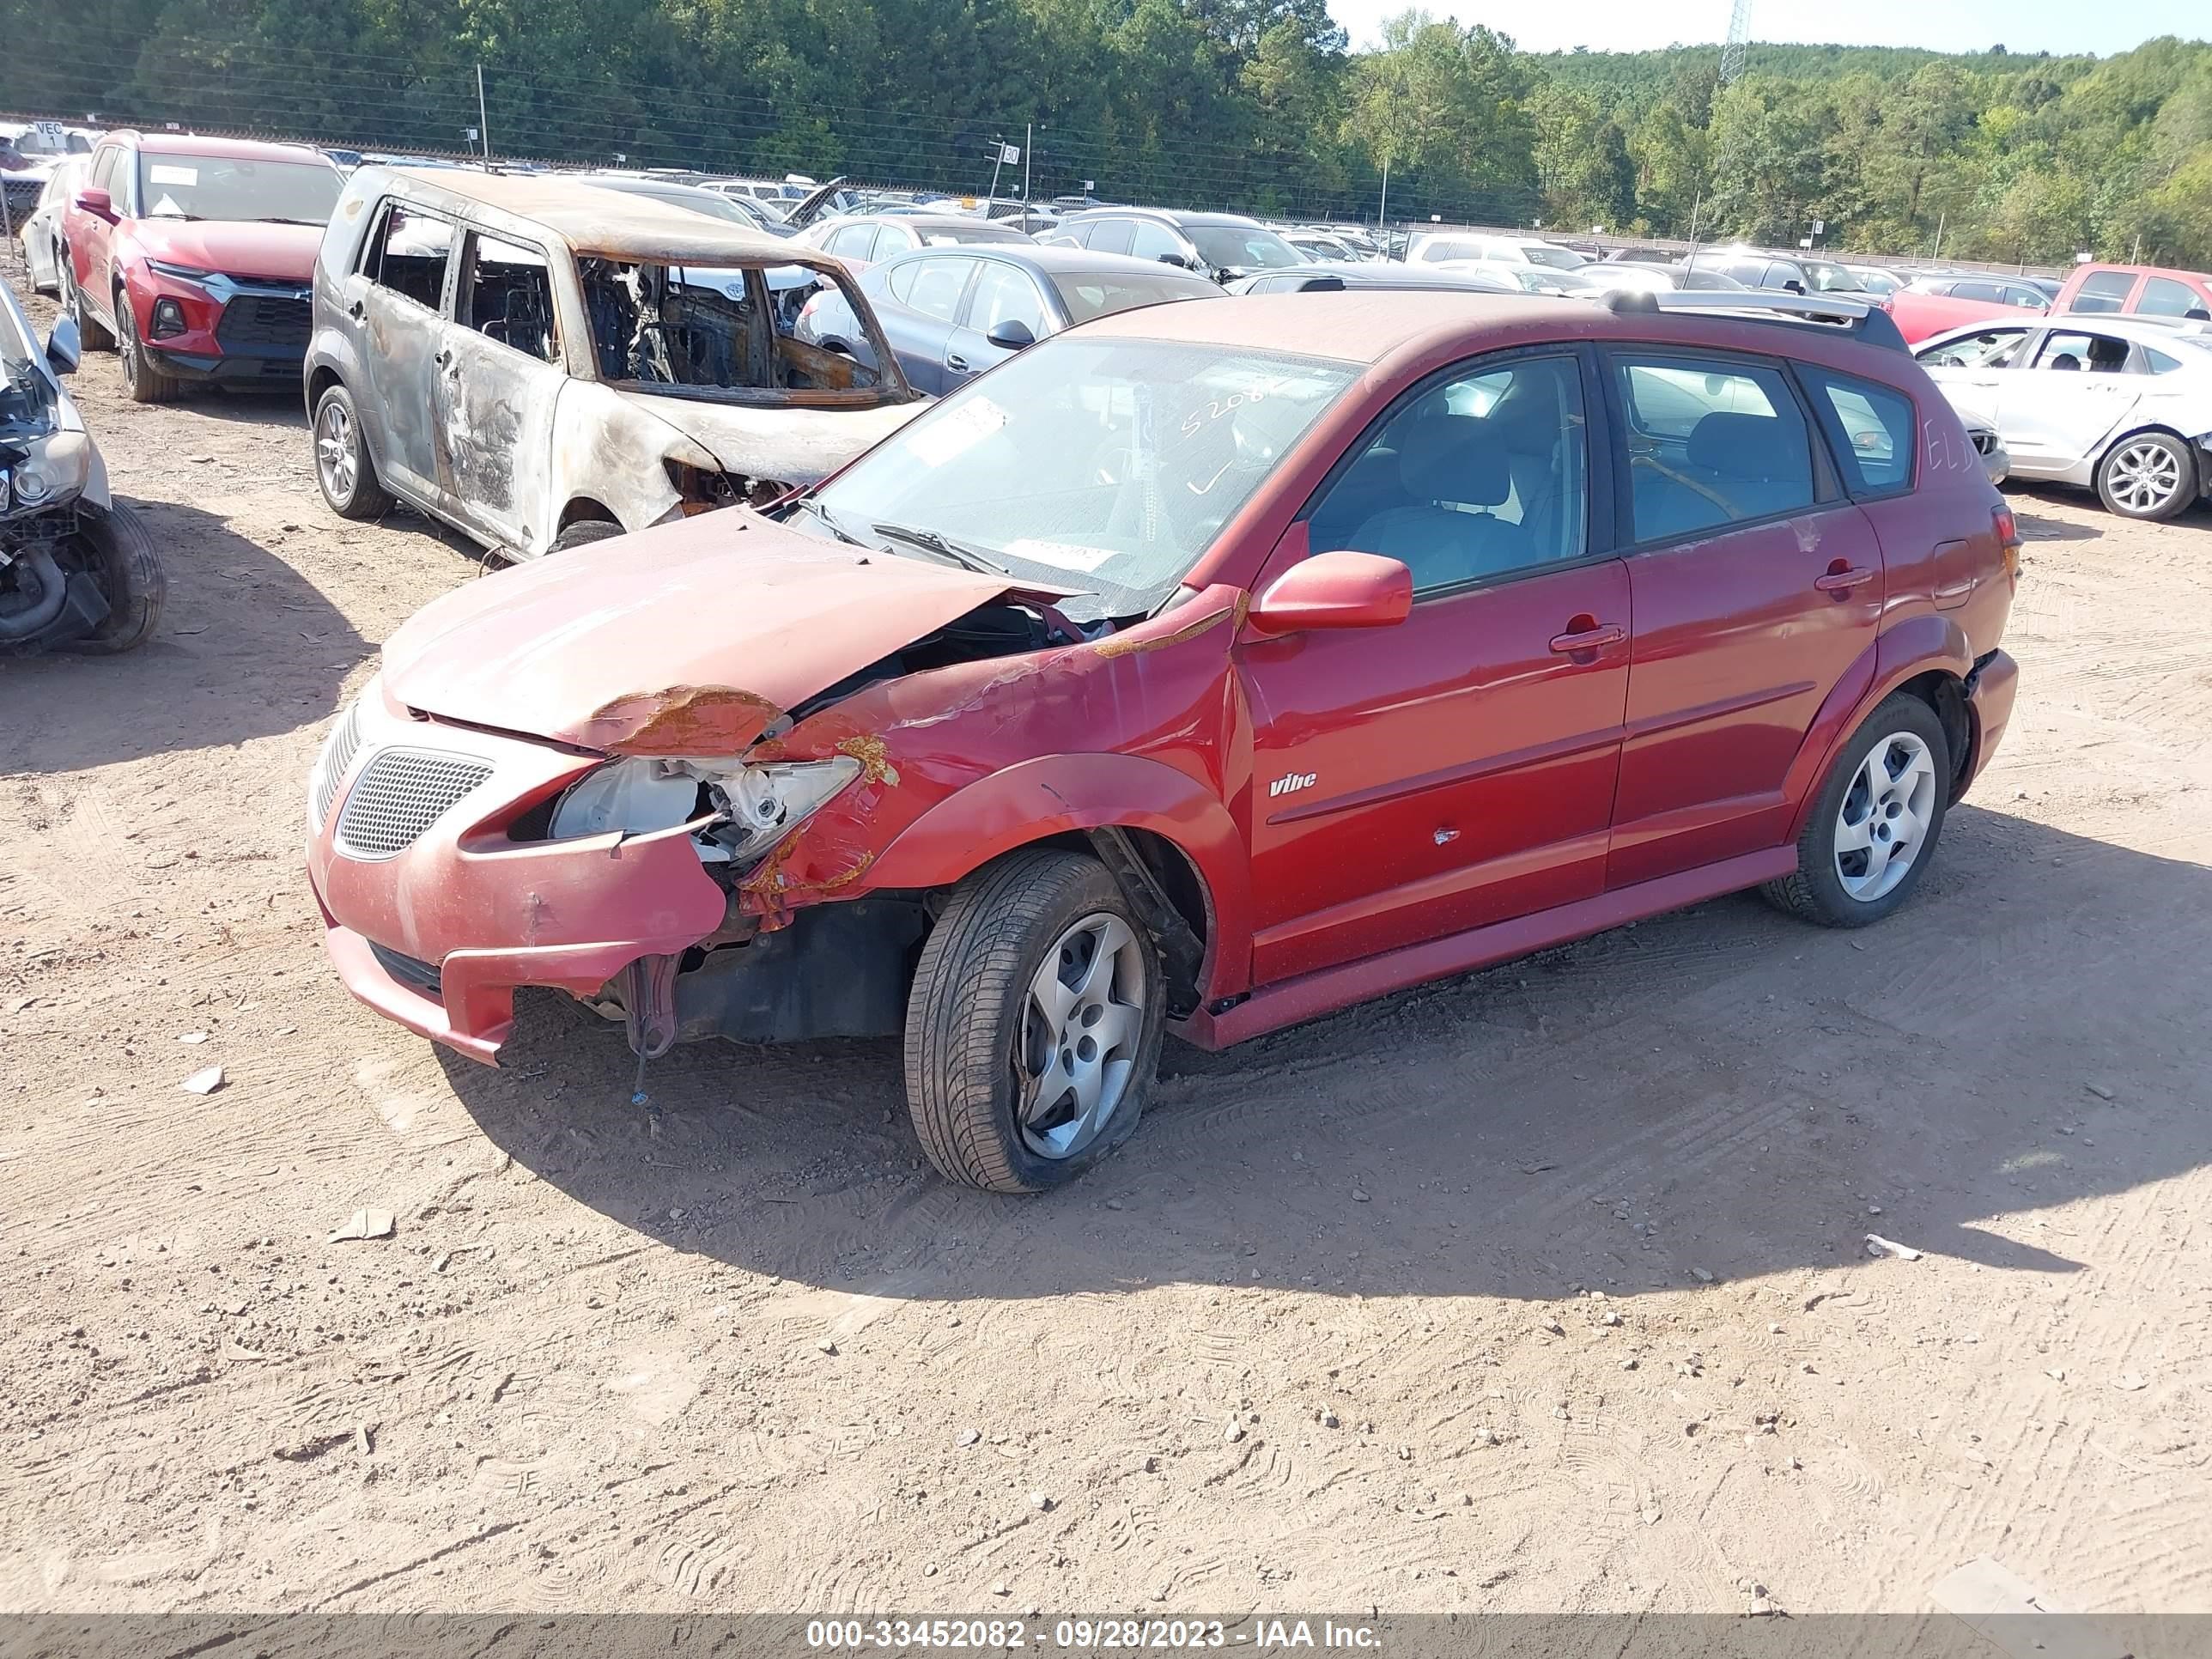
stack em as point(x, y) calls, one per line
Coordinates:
point(1177, 828)
point(582, 509)
point(1928, 653)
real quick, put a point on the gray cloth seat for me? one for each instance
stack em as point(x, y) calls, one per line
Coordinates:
point(1758, 464)
point(1446, 463)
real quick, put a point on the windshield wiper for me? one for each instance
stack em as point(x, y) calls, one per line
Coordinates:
point(830, 521)
point(930, 542)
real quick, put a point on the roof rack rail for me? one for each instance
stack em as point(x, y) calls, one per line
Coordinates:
point(1864, 319)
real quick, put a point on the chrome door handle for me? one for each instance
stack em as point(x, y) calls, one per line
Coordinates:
point(1843, 582)
point(957, 364)
point(1589, 639)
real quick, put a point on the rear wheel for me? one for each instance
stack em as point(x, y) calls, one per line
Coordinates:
point(2152, 475)
point(343, 470)
point(130, 576)
point(1034, 1023)
point(145, 383)
point(1872, 832)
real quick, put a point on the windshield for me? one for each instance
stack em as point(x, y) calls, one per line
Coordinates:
point(1242, 247)
point(1090, 293)
point(1108, 465)
point(227, 187)
point(1558, 259)
point(708, 334)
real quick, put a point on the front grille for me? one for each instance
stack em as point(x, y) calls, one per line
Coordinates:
point(330, 765)
point(423, 976)
point(22, 196)
point(263, 320)
point(399, 794)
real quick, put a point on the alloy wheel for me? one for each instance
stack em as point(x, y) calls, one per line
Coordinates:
point(1083, 1026)
point(2145, 477)
point(1885, 815)
point(335, 455)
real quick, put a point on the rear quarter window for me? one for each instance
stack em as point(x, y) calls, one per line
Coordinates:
point(1871, 428)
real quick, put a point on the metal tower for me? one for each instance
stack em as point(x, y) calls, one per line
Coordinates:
point(1739, 31)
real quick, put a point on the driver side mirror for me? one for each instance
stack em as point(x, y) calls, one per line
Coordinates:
point(1011, 335)
point(64, 346)
point(97, 203)
point(1334, 590)
point(1793, 288)
point(1175, 260)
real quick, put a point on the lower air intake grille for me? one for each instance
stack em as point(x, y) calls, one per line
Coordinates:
point(423, 976)
point(399, 794)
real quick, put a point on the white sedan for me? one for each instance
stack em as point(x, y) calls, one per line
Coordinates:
point(2119, 404)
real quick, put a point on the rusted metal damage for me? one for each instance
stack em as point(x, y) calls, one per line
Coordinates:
point(682, 721)
point(874, 755)
point(1130, 645)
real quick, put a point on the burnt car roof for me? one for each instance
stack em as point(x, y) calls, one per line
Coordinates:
point(609, 223)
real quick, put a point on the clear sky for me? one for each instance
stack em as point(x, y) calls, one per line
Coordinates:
point(2055, 26)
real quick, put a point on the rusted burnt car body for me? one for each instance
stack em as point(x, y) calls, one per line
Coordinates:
point(540, 362)
point(1205, 667)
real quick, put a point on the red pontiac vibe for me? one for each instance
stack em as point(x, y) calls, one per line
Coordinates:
point(1205, 668)
point(193, 256)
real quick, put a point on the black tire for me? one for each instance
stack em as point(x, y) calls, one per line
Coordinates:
point(90, 332)
point(145, 383)
point(1816, 892)
point(130, 578)
point(583, 532)
point(352, 491)
point(2126, 476)
point(969, 1012)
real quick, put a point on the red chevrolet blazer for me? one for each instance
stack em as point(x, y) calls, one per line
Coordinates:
point(1202, 669)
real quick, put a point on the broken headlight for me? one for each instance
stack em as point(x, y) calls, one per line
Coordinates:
point(55, 471)
point(748, 808)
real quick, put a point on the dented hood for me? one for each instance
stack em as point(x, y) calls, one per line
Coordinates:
point(796, 446)
point(689, 639)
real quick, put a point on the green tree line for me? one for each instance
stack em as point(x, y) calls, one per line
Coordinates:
point(1254, 104)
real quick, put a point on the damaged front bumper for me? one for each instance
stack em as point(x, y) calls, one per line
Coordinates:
point(435, 912)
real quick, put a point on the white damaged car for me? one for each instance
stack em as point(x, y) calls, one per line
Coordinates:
point(540, 363)
point(2122, 405)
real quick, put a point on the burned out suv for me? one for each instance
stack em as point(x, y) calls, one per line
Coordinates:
point(1204, 668)
point(542, 363)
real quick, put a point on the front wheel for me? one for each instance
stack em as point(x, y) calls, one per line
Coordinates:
point(1034, 1023)
point(1874, 829)
point(145, 383)
point(2152, 475)
point(343, 470)
point(130, 579)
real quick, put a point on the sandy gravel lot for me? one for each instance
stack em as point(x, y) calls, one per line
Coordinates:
point(1539, 1289)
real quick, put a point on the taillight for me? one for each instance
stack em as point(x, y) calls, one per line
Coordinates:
point(2007, 529)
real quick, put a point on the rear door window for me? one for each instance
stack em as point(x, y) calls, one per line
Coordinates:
point(1711, 442)
point(1112, 235)
point(2093, 354)
point(2164, 297)
point(1870, 426)
point(1990, 292)
point(852, 242)
point(407, 254)
point(2103, 290)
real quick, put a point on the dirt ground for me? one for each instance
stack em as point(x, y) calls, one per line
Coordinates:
point(1539, 1289)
